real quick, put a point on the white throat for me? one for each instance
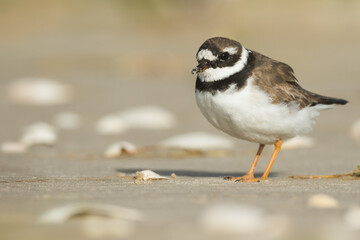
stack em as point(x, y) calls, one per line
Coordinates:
point(216, 74)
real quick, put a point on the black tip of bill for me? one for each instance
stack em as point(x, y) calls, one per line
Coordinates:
point(195, 70)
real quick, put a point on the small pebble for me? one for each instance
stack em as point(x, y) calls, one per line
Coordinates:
point(148, 117)
point(355, 131)
point(67, 212)
point(322, 201)
point(104, 228)
point(39, 91)
point(120, 148)
point(352, 218)
point(232, 219)
point(39, 133)
point(111, 125)
point(13, 147)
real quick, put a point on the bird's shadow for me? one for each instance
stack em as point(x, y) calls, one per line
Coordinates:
point(192, 173)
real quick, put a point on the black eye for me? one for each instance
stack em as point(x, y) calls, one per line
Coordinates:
point(224, 56)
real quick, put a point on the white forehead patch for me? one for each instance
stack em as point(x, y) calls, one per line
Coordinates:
point(207, 54)
point(231, 50)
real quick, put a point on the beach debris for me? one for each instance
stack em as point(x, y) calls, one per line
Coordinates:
point(39, 133)
point(322, 201)
point(149, 117)
point(111, 124)
point(147, 175)
point(67, 120)
point(352, 218)
point(39, 91)
point(78, 210)
point(120, 148)
point(100, 228)
point(355, 131)
point(97, 220)
point(13, 147)
point(232, 219)
point(242, 220)
point(173, 176)
point(354, 175)
point(145, 117)
point(298, 142)
point(197, 141)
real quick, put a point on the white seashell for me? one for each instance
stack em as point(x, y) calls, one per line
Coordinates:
point(352, 218)
point(120, 148)
point(148, 117)
point(65, 213)
point(39, 133)
point(197, 141)
point(13, 147)
point(298, 142)
point(147, 175)
point(111, 125)
point(322, 201)
point(104, 228)
point(355, 131)
point(67, 120)
point(232, 219)
point(39, 91)
point(277, 226)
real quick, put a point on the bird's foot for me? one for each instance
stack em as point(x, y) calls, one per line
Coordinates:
point(263, 179)
point(245, 178)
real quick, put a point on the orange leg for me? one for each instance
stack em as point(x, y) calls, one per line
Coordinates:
point(249, 176)
point(277, 144)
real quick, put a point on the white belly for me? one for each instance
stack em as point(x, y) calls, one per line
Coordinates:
point(249, 114)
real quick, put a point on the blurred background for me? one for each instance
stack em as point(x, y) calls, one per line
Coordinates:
point(117, 54)
point(113, 55)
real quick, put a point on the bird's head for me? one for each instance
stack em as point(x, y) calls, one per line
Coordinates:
point(218, 58)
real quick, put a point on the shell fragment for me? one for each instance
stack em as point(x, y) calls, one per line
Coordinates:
point(39, 91)
point(197, 141)
point(322, 201)
point(147, 175)
point(120, 148)
point(39, 133)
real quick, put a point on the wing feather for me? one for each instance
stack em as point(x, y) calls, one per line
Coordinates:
point(277, 79)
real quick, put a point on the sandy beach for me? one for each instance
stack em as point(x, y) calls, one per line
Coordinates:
point(115, 56)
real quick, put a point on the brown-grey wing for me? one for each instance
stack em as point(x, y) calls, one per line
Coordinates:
point(277, 79)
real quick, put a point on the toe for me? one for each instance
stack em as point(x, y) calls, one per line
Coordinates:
point(254, 180)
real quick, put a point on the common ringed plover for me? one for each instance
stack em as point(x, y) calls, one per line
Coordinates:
point(253, 97)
